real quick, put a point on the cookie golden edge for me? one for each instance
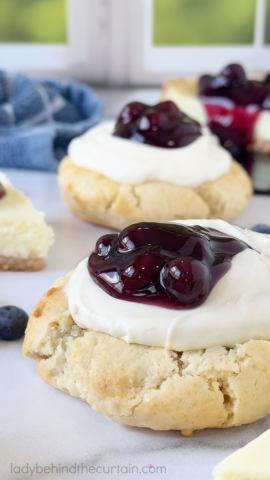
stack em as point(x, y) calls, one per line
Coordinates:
point(147, 386)
point(17, 264)
point(189, 87)
point(102, 201)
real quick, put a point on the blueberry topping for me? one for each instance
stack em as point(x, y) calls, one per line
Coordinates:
point(2, 191)
point(234, 123)
point(232, 83)
point(104, 244)
point(13, 321)
point(169, 265)
point(187, 280)
point(162, 125)
point(261, 228)
point(143, 272)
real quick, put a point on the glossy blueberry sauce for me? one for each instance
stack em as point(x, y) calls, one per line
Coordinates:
point(172, 266)
point(162, 125)
point(2, 191)
point(233, 104)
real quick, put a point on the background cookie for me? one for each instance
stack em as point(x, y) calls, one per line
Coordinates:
point(185, 93)
point(100, 200)
point(147, 386)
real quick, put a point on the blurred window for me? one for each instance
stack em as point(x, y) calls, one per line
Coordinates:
point(267, 23)
point(184, 38)
point(48, 37)
point(133, 41)
point(203, 22)
point(33, 21)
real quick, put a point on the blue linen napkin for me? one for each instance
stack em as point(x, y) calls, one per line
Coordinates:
point(38, 119)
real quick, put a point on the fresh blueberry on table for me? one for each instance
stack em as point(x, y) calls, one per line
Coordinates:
point(261, 228)
point(13, 321)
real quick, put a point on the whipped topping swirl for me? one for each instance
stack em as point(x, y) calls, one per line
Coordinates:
point(236, 310)
point(128, 162)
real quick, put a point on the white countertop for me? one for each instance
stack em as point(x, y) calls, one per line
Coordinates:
point(40, 425)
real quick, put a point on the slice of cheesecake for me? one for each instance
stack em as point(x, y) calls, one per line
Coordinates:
point(251, 462)
point(185, 94)
point(24, 236)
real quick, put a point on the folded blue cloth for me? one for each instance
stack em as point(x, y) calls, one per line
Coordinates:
point(38, 119)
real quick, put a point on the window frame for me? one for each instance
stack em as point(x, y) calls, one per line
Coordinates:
point(20, 56)
point(145, 60)
point(109, 42)
point(77, 57)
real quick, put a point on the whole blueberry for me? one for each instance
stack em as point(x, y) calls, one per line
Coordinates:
point(143, 271)
point(261, 228)
point(105, 243)
point(13, 321)
point(187, 280)
point(234, 74)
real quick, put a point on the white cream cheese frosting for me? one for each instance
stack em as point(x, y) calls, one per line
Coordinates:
point(192, 106)
point(23, 231)
point(237, 309)
point(129, 162)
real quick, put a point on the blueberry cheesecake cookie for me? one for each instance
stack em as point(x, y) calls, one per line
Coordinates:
point(235, 108)
point(24, 236)
point(164, 326)
point(154, 164)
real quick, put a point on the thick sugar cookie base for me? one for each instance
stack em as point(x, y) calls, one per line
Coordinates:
point(102, 201)
point(147, 386)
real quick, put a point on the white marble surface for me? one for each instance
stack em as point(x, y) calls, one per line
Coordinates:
point(40, 425)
